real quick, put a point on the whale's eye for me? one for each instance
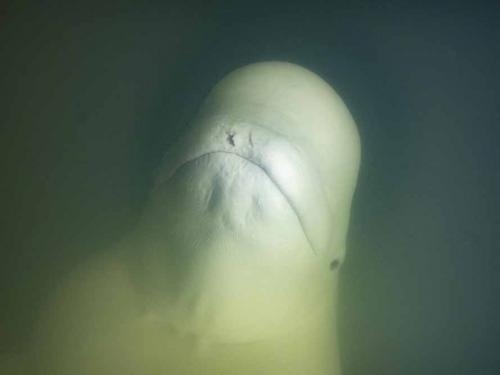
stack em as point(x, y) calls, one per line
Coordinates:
point(334, 264)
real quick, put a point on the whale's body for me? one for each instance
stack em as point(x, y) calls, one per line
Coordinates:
point(232, 269)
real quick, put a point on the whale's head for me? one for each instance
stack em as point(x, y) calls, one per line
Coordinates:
point(261, 183)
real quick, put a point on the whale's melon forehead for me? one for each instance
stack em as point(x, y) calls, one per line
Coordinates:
point(315, 111)
point(293, 101)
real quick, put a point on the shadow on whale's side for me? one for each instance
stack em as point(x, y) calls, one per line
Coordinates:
point(233, 267)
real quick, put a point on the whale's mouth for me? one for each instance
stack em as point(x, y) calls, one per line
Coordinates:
point(284, 164)
point(266, 173)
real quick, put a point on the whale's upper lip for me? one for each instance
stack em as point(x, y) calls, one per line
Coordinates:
point(284, 163)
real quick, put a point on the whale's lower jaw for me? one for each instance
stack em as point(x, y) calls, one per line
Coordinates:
point(226, 196)
point(244, 271)
point(283, 162)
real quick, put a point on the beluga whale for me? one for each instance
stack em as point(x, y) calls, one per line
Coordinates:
point(233, 266)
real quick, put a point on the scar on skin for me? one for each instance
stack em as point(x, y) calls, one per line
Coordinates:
point(230, 137)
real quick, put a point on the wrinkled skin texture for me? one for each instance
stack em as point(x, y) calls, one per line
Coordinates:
point(230, 269)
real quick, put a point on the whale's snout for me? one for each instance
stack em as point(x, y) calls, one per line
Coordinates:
point(295, 132)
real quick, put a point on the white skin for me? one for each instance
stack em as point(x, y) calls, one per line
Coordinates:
point(233, 268)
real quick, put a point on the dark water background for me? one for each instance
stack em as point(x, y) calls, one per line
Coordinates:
point(92, 95)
